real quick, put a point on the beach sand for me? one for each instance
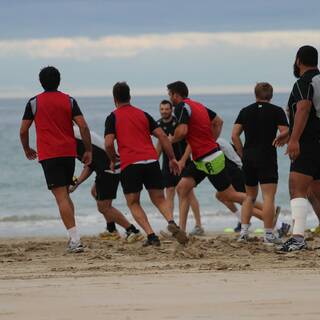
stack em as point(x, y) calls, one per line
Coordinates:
point(211, 278)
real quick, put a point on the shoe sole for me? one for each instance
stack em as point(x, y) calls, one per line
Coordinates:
point(136, 238)
point(75, 250)
point(178, 234)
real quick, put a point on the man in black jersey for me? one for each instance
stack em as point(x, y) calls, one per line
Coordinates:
point(105, 188)
point(260, 122)
point(168, 123)
point(304, 140)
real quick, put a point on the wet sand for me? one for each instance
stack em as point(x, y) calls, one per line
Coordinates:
point(211, 278)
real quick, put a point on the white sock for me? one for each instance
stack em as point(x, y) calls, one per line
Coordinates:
point(268, 232)
point(278, 224)
point(299, 209)
point(238, 215)
point(244, 228)
point(73, 234)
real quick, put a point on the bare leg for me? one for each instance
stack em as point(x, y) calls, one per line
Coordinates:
point(133, 201)
point(268, 192)
point(163, 205)
point(194, 204)
point(112, 214)
point(170, 193)
point(184, 187)
point(65, 206)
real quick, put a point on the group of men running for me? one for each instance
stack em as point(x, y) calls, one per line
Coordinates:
point(189, 140)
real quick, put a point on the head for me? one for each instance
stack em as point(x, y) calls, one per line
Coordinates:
point(263, 91)
point(306, 58)
point(121, 93)
point(166, 109)
point(49, 78)
point(177, 92)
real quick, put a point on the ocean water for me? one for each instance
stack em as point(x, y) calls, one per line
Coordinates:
point(28, 209)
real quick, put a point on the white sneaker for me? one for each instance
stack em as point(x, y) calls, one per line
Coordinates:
point(75, 247)
point(244, 237)
point(197, 231)
point(271, 240)
point(134, 237)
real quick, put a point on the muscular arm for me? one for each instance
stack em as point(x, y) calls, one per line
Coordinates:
point(109, 145)
point(217, 124)
point(300, 119)
point(180, 133)
point(158, 149)
point(236, 133)
point(164, 143)
point(24, 138)
point(84, 131)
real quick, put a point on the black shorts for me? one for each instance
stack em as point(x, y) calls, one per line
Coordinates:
point(170, 180)
point(135, 176)
point(308, 162)
point(260, 173)
point(107, 186)
point(58, 171)
point(220, 181)
point(236, 176)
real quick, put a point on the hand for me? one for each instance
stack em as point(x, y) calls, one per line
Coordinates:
point(181, 165)
point(281, 140)
point(293, 149)
point(30, 154)
point(174, 167)
point(87, 158)
point(73, 188)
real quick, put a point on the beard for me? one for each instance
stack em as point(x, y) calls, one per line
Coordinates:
point(296, 70)
point(166, 117)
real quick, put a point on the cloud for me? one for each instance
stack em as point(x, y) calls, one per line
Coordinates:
point(84, 48)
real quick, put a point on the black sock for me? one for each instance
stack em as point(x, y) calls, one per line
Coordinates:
point(152, 236)
point(111, 226)
point(132, 228)
point(171, 221)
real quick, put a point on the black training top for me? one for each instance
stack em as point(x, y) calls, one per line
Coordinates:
point(100, 161)
point(260, 123)
point(307, 88)
point(178, 148)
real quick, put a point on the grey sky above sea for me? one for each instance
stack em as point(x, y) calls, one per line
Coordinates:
point(215, 46)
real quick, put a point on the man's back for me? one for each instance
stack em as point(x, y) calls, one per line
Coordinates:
point(260, 123)
point(53, 112)
point(132, 128)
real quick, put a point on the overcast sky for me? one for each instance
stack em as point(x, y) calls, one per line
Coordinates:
point(214, 46)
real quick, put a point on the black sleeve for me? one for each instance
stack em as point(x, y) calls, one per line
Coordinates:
point(75, 108)
point(211, 113)
point(152, 123)
point(281, 118)
point(303, 90)
point(110, 124)
point(181, 114)
point(240, 118)
point(28, 115)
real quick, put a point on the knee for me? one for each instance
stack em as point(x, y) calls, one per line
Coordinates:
point(133, 202)
point(103, 206)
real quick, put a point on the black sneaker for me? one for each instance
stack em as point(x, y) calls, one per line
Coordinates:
point(154, 241)
point(293, 245)
point(238, 227)
point(283, 231)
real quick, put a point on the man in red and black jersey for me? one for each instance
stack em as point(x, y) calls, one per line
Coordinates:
point(200, 127)
point(132, 128)
point(53, 113)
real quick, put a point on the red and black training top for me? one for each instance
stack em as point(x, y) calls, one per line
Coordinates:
point(52, 112)
point(198, 118)
point(132, 128)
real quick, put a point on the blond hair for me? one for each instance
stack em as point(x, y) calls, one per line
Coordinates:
point(263, 91)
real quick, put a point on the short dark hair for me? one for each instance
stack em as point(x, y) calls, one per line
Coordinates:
point(179, 87)
point(49, 78)
point(263, 91)
point(121, 92)
point(166, 102)
point(308, 56)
